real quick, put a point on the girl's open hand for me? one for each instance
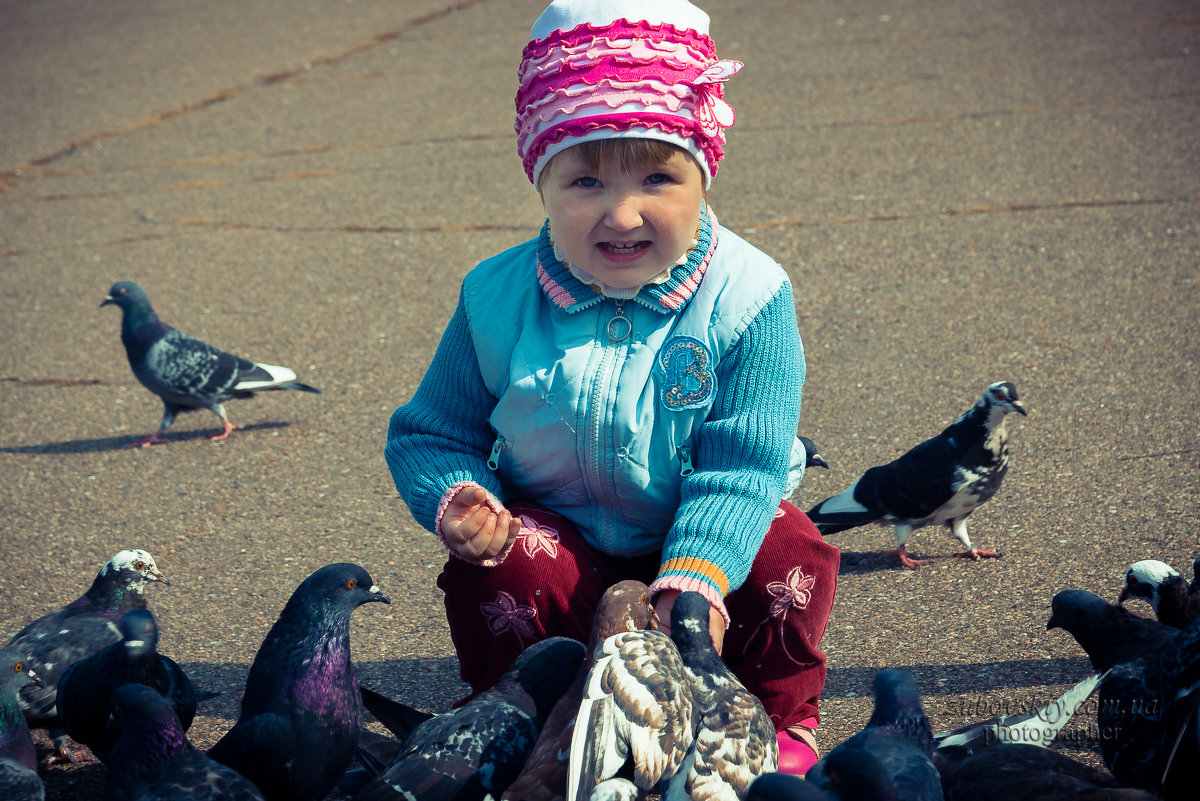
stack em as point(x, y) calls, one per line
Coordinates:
point(473, 530)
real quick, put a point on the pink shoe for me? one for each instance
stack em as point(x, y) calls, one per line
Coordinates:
point(797, 750)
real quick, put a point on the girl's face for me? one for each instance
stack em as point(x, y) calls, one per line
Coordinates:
point(624, 228)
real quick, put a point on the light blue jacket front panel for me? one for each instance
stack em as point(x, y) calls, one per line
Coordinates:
point(590, 427)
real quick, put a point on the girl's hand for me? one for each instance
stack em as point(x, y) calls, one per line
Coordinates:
point(716, 621)
point(473, 530)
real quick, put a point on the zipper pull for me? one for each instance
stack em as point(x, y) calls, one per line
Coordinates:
point(493, 461)
point(685, 456)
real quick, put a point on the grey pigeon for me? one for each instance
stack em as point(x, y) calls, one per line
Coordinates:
point(186, 373)
point(891, 757)
point(1037, 728)
point(152, 759)
point(1109, 634)
point(941, 481)
point(19, 780)
point(1174, 602)
point(84, 690)
point(60, 638)
point(478, 749)
point(638, 716)
point(1023, 771)
point(783, 787)
point(735, 741)
point(302, 709)
point(625, 606)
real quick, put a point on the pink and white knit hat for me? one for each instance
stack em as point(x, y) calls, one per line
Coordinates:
point(603, 69)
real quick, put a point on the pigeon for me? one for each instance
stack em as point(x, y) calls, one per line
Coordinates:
point(625, 606)
point(892, 756)
point(60, 638)
point(735, 741)
point(812, 457)
point(940, 481)
point(19, 780)
point(302, 710)
point(638, 713)
point(186, 373)
point(478, 749)
point(783, 787)
point(152, 759)
point(1109, 634)
point(1037, 728)
point(1021, 770)
point(1160, 585)
point(84, 690)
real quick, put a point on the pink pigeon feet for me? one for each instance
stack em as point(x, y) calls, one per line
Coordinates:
point(906, 560)
point(229, 427)
point(977, 554)
point(157, 438)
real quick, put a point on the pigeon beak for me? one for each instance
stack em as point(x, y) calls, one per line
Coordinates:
point(37, 680)
point(107, 300)
point(377, 595)
point(1123, 595)
point(156, 576)
point(135, 647)
point(1052, 623)
point(819, 461)
point(1020, 407)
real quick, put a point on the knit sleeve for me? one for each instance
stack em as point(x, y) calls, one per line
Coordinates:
point(741, 457)
point(442, 436)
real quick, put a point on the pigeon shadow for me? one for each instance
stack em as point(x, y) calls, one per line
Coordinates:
point(856, 563)
point(971, 678)
point(118, 443)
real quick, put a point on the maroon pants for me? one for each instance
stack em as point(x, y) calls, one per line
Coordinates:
point(551, 581)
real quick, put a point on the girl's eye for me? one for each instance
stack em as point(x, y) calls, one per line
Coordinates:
point(587, 182)
point(657, 178)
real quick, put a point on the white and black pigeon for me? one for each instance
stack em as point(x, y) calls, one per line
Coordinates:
point(19, 780)
point(84, 690)
point(57, 640)
point(152, 759)
point(638, 717)
point(302, 710)
point(1174, 602)
point(477, 750)
point(184, 372)
point(803, 456)
point(625, 606)
point(735, 740)
point(891, 758)
point(941, 481)
point(812, 457)
point(1038, 728)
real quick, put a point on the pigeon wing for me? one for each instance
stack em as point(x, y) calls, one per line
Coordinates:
point(255, 747)
point(735, 745)
point(185, 371)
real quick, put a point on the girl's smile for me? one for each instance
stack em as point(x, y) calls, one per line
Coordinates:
point(623, 228)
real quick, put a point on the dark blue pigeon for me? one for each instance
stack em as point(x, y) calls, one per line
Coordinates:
point(61, 638)
point(1174, 602)
point(152, 759)
point(891, 757)
point(1109, 634)
point(84, 690)
point(735, 739)
point(186, 373)
point(479, 748)
point(783, 787)
point(1009, 771)
point(19, 780)
point(302, 709)
point(941, 481)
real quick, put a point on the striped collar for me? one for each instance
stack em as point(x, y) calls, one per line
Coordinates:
point(572, 295)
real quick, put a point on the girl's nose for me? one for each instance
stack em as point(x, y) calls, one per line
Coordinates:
point(624, 212)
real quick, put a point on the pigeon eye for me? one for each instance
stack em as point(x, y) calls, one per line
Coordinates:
point(139, 565)
point(351, 584)
point(17, 667)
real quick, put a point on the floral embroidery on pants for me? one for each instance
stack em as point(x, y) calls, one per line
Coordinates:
point(505, 614)
point(535, 538)
point(794, 593)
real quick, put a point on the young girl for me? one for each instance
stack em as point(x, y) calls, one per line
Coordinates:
point(618, 398)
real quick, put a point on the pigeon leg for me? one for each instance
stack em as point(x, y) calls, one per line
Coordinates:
point(902, 531)
point(62, 753)
point(219, 410)
point(157, 438)
point(958, 527)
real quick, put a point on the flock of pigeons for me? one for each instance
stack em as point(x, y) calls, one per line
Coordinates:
point(633, 712)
